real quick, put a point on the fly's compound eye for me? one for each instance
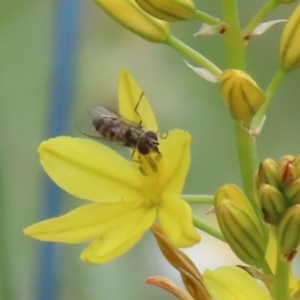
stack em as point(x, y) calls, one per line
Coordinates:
point(143, 147)
point(152, 135)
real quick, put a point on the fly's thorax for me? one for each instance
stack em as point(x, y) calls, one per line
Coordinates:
point(132, 136)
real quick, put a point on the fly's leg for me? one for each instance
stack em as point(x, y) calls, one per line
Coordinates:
point(132, 157)
point(152, 163)
point(163, 136)
point(136, 108)
point(158, 157)
point(147, 165)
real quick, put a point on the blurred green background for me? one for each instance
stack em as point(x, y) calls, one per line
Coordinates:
point(179, 98)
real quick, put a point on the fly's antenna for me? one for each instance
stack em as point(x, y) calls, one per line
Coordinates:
point(136, 108)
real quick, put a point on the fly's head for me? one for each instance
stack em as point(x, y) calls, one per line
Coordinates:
point(148, 143)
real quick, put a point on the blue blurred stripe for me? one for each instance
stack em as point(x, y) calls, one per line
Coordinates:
point(61, 99)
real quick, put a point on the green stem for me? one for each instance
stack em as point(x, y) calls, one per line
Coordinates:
point(259, 17)
point(271, 90)
point(246, 147)
point(282, 279)
point(234, 43)
point(206, 18)
point(208, 229)
point(5, 283)
point(266, 269)
point(191, 53)
point(198, 199)
point(246, 144)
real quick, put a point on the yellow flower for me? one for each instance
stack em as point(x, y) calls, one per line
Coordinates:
point(233, 283)
point(125, 202)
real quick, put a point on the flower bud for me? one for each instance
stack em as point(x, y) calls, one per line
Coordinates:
point(169, 10)
point(289, 53)
point(241, 94)
point(239, 223)
point(232, 192)
point(287, 170)
point(241, 232)
point(131, 16)
point(292, 192)
point(288, 231)
point(272, 203)
point(268, 172)
point(296, 163)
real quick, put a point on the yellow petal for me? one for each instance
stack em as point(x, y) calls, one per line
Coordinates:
point(122, 238)
point(129, 95)
point(89, 170)
point(233, 283)
point(176, 161)
point(84, 223)
point(175, 217)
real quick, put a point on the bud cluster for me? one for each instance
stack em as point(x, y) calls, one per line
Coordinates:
point(278, 186)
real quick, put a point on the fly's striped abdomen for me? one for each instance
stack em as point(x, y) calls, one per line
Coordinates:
point(118, 131)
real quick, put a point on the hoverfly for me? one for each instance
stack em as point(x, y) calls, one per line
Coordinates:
point(111, 126)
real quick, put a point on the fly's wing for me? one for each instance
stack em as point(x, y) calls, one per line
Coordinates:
point(86, 126)
point(98, 111)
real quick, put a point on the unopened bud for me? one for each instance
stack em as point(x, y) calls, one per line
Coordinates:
point(296, 163)
point(131, 16)
point(288, 231)
point(241, 232)
point(268, 172)
point(289, 44)
point(242, 95)
point(292, 192)
point(272, 203)
point(169, 10)
point(287, 170)
point(239, 223)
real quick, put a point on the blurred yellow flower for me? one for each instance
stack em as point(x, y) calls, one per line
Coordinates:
point(126, 202)
point(233, 283)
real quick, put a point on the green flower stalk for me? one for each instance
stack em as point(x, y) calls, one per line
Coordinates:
point(169, 10)
point(288, 231)
point(241, 94)
point(289, 53)
point(239, 225)
point(131, 16)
